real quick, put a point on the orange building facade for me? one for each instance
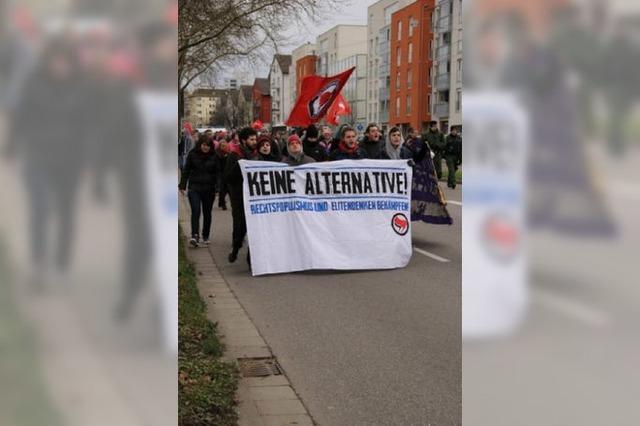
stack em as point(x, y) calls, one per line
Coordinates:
point(305, 66)
point(410, 75)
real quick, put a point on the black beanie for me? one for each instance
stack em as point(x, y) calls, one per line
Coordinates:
point(312, 132)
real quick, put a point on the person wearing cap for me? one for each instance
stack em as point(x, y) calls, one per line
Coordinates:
point(295, 154)
point(311, 147)
point(348, 148)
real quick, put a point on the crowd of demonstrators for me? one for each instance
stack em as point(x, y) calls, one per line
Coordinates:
point(296, 155)
point(214, 162)
point(200, 173)
point(453, 155)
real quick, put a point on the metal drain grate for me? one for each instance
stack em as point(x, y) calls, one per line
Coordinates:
point(259, 367)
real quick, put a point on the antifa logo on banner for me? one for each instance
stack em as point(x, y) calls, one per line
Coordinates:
point(320, 102)
point(400, 224)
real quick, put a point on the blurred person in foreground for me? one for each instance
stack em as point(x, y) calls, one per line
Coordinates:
point(53, 155)
point(453, 155)
point(233, 175)
point(200, 175)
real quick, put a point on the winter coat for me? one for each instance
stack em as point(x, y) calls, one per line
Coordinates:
point(340, 154)
point(435, 140)
point(315, 150)
point(453, 147)
point(372, 149)
point(200, 171)
point(304, 159)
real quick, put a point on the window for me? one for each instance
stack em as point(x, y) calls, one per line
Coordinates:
point(398, 56)
point(409, 78)
point(412, 23)
point(398, 80)
point(408, 104)
point(410, 52)
point(399, 30)
point(398, 106)
point(458, 100)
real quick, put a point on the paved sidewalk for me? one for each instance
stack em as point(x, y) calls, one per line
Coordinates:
point(262, 401)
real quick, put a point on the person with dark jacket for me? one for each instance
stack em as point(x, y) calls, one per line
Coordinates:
point(436, 143)
point(312, 147)
point(222, 151)
point(200, 174)
point(265, 152)
point(453, 155)
point(296, 155)
point(233, 176)
point(372, 143)
point(394, 148)
point(348, 148)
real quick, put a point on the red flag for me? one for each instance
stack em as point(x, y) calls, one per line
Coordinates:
point(256, 125)
point(339, 107)
point(316, 96)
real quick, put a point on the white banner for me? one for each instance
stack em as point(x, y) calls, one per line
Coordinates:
point(338, 215)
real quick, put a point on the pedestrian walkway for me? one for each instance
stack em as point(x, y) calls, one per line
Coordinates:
point(267, 400)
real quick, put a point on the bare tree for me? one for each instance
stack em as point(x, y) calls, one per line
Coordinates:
point(213, 34)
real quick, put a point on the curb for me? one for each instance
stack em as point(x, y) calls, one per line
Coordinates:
point(262, 401)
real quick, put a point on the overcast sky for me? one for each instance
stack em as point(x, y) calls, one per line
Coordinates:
point(353, 12)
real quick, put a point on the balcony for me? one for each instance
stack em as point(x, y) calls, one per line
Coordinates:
point(441, 109)
point(443, 53)
point(383, 93)
point(459, 46)
point(442, 81)
point(443, 24)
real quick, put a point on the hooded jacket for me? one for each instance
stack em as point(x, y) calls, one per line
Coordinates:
point(314, 150)
point(391, 153)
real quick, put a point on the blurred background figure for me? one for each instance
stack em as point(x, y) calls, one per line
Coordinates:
point(88, 130)
point(550, 96)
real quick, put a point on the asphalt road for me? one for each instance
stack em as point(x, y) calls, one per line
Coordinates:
point(364, 348)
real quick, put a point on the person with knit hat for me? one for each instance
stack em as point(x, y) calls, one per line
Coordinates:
point(295, 154)
point(233, 176)
point(312, 147)
point(394, 148)
point(265, 153)
point(348, 148)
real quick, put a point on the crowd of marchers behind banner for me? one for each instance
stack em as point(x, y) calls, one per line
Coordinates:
point(208, 162)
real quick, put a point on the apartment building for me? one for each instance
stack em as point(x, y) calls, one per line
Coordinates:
point(261, 100)
point(410, 68)
point(280, 87)
point(303, 63)
point(202, 106)
point(447, 64)
point(379, 37)
point(338, 43)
